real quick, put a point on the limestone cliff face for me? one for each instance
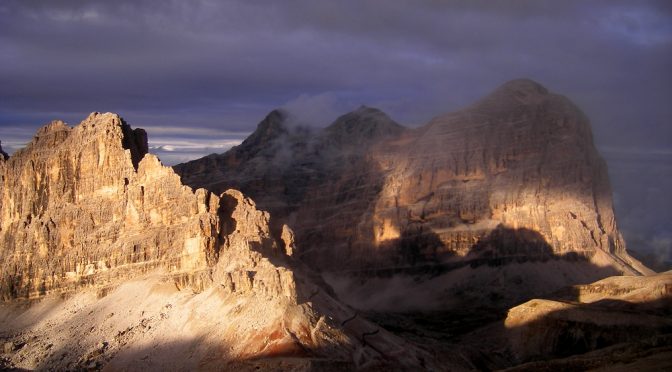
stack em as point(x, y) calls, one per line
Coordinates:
point(87, 211)
point(87, 204)
point(514, 177)
point(520, 159)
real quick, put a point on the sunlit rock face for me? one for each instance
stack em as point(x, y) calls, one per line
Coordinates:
point(114, 254)
point(81, 206)
point(366, 193)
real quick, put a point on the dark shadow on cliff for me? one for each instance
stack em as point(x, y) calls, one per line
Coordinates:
point(420, 253)
point(507, 266)
point(505, 245)
point(134, 140)
point(323, 179)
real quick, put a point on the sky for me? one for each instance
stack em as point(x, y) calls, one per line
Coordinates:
point(199, 75)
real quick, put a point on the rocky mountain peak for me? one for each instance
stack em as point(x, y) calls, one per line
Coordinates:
point(515, 92)
point(523, 85)
point(53, 126)
point(268, 130)
point(362, 119)
point(50, 134)
point(134, 140)
point(361, 126)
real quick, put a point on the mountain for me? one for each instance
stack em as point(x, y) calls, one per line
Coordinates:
point(508, 194)
point(108, 260)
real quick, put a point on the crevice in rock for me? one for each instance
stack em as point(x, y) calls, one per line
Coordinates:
point(134, 140)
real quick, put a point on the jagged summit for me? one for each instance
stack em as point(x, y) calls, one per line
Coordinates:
point(77, 190)
point(54, 126)
point(270, 128)
point(95, 127)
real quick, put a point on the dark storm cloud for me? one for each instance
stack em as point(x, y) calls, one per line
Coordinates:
point(418, 59)
point(223, 65)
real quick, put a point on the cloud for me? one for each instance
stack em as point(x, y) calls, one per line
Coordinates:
point(417, 60)
point(317, 110)
point(175, 145)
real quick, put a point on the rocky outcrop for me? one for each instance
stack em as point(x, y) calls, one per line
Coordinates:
point(510, 180)
point(631, 312)
point(104, 252)
point(617, 323)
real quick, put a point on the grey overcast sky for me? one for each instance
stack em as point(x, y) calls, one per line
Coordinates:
point(199, 75)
